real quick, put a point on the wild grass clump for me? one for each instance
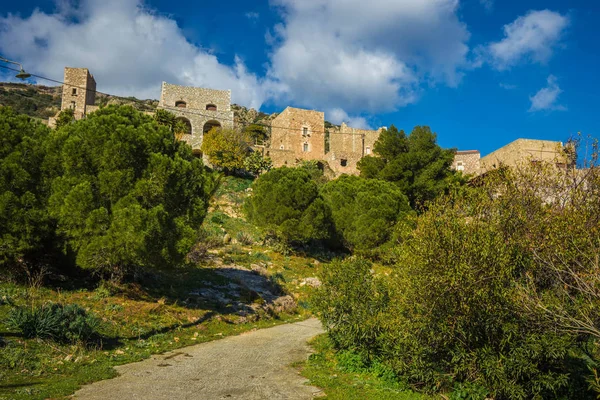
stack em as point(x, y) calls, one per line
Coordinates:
point(68, 323)
point(244, 238)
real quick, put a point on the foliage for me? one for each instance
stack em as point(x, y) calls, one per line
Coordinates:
point(62, 323)
point(285, 202)
point(482, 300)
point(226, 149)
point(416, 163)
point(351, 302)
point(165, 118)
point(364, 211)
point(125, 193)
point(26, 230)
point(257, 133)
point(345, 376)
point(65, 117)
point(256, 164)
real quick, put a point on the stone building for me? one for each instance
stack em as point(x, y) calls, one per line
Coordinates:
point(347, 146)
point(78, 93)
point(199, 108)
point(298, 134)
point(526, 150)
point(467, 161)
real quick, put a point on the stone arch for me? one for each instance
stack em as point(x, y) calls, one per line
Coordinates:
point(197, 153)
point(181, 104)
point(211, 124)
point(211, 107)
point(183, 126)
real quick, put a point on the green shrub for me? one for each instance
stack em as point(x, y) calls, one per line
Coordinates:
point(364, 211)
point(62, 323)
point(285, 203)
point(350, 302)
point(26, 229)
point(491, 293)
point(125, 193)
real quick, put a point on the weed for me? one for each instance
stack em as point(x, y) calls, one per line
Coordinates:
point(244, 238)
point(62, 323)
point(259, 256)
point(113, 307)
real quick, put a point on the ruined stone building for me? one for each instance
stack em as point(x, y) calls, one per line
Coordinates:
point(298, 134)
point(199, 108)
point(513, 154)
point(78, 93)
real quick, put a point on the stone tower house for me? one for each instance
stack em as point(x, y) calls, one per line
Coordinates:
point(199, 108)
point(297, 134)
point(79, 91)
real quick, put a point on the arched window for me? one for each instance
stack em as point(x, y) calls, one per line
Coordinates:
point(211, 107)
point(210, 125)
point(344, 163)
point(305, 147)
point(180, 104)
point(183, 126)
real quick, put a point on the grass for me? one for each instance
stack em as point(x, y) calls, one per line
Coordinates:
point(324, 370)
point(158, 313)
point(138, 320)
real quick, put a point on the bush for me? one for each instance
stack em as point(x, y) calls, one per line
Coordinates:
point(364, 211)
point(350, 302)
point(125, 193)
point(285, 203)
point(226, 149)
point(488, 294)
point(26, 229)
point(62, 323)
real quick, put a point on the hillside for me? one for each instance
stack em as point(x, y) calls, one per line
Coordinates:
point(40, 101)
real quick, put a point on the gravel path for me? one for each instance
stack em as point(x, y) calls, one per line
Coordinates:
point(253, 365)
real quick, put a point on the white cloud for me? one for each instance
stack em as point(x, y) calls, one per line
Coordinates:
point(487, 4)
point(546, 98)
point(129, 49)
point(532, 37)
point(363, 56)
point(353, 56)
point(508, 86)
point(337, 116)
point(252, 16)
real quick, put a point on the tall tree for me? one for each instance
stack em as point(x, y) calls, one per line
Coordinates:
point(415, 163)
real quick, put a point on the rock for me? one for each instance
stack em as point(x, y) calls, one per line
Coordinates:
point(227, 238)
point(312, 282)
point(285, 304)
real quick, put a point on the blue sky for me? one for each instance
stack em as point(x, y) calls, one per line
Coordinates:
point(481, 73)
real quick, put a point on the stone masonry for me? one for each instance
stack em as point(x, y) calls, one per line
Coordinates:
point(525, 150)
point(467, 161)
point(200, 108)
point(78, 93)
point(298, 134)
point(347, 146)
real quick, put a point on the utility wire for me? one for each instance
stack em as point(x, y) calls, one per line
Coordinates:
point(181, 110)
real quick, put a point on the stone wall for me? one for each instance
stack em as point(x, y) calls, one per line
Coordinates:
point(201, 107)
point(525, 150)
point(297, 134)
point(467, 161)
point(347, 146)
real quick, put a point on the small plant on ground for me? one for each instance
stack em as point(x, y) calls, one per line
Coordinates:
point(62, 323)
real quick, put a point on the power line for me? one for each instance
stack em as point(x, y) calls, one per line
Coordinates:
point(182, 110)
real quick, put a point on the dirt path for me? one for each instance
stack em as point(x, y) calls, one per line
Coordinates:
point(254, 365)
